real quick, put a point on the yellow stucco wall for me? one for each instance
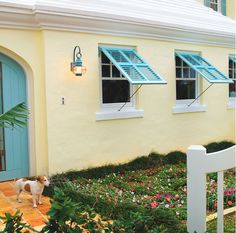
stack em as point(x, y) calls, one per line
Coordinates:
point(77, 140)
point(231, 8)
point(68, 136)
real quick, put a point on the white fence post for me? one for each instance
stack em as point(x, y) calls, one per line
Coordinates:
point(199, 163)
point(196, 190)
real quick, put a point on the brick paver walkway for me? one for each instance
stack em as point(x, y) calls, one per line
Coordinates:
point(35, 217)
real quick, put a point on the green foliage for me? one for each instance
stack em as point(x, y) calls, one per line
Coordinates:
point(217, 146)
point(13, 223)
point(62, 215)
point(68, 216)
point(128, 216)
point(175, 157)
point(17, 116)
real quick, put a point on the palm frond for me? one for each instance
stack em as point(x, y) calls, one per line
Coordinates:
point(16, 116)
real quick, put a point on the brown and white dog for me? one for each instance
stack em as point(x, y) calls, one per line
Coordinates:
point(35, 187)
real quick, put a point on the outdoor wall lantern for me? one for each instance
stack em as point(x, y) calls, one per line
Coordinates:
point(76, 66)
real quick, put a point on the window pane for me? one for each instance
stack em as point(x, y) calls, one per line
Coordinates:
point(105, 59)
point(230, 73)
point(230, 64)
point(177, 61)
point(106, 71)
point(178, 72)
point(192, 73)
point(214, 6)
point(115, 91)
point(185, 64)
point(186, 72)
point(232, 89)
point(115, 72)
point(185, 89)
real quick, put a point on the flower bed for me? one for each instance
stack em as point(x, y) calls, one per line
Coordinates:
point(157, 187)
point(149, 192)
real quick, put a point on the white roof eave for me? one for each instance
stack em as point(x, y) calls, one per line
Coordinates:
point(113, 17)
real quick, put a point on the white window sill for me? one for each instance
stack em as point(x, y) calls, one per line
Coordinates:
point(115, 114)
point(183, 108)
point(232, 103)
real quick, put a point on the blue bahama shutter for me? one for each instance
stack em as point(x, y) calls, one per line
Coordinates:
point(207, 3)
point(223, 7)
point(232, 58)
point(132, 66)
point(204, 68)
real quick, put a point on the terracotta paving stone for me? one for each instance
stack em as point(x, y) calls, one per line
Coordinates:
point(35, 217)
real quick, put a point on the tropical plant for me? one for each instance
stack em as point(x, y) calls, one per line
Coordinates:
point(16, 116)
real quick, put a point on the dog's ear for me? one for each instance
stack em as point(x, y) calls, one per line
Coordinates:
point(39, 179)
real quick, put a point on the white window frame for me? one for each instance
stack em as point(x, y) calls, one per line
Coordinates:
point(232, 100)
point(218, 4)
point(109, 111)
point(181, 106)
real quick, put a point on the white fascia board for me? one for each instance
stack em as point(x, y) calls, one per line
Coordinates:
point(67, 19)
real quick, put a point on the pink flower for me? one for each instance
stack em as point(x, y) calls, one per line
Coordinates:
point(158, 196)
point(142, 183)
point(230, 203)
point(154, 205)
point(185, 189)
point(215, 205)
point(167, 196)
point(227, 193)
point(177, 196)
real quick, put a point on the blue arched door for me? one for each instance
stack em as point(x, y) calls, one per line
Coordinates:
point(14, 159)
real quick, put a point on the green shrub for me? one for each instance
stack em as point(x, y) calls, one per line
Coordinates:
point(14, 224)
point(217, 146)
point(175, 157)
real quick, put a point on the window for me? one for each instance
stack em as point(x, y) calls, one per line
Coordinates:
point(232, 75)
point(122, 69)
point(115, 87)
point(186, 81)
point(203, 68)
point(189, 68)
point(217, 5)
point(214, 4)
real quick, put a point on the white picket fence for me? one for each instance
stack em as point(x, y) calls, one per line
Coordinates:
point(199, 163)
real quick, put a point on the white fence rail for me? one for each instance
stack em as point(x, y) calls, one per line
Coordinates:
point(199, 163)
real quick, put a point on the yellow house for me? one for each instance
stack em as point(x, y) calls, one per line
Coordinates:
point(160, 75)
